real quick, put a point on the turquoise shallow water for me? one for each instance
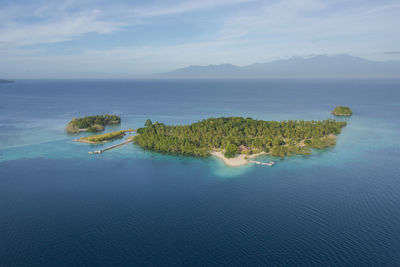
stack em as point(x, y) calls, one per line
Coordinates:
point(129, 206)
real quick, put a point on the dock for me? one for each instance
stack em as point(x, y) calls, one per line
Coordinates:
point(128, 140)
point(271, 163)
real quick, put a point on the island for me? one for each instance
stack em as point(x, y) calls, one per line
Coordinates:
point(342, 111)
point(103, 138)
point(237, 140)
point(6, 81)
point(91, 123)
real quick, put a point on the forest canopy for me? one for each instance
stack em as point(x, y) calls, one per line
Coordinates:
point(342, 111)
point(229, 133)
point(91, 123)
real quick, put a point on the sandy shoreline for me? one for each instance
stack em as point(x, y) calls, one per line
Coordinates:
point(238, 160)
point(81, 140)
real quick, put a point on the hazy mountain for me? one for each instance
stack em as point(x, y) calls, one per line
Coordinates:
point(340, 66)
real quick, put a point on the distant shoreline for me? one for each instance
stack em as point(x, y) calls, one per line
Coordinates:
point(6, 81)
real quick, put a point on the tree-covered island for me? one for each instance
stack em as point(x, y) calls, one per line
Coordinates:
point(91, 123)
point(237, 135)
point(342, 111)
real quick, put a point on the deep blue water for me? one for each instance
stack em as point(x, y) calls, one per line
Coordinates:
point(60, 206)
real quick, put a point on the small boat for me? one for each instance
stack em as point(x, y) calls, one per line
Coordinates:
point(95, 152)
point(271, 163)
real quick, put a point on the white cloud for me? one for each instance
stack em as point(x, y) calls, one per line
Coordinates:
point(185, 6)
point(60, 30)
point(260, 32)
point(312, 18)
point(62, 21)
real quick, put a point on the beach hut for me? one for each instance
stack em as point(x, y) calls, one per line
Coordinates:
point(243, 149)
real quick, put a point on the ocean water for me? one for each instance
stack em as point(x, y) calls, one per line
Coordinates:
point(60, 206)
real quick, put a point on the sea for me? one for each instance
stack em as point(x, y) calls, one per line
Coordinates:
point(60, 206)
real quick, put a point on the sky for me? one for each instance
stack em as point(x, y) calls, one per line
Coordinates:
point(122, 39)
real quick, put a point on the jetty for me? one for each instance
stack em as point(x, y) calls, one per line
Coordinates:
point(271, 163)
point(128, 140)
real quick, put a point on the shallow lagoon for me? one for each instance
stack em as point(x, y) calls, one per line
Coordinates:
point(61, 206)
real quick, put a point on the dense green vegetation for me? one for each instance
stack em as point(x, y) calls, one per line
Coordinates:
point(100, 138)
point(342, 111)
point(91, 123)
point(231, 150)
point(279, 138)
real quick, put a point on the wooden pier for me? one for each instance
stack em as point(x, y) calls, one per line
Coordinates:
point(128, 140)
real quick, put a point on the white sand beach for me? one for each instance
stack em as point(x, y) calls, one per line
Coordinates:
point(238, 160)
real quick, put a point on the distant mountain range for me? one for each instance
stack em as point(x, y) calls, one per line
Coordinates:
point(322, 66)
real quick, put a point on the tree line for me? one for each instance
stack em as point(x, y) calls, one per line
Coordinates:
point(342, 111)
point(94, 123)
point(228, 133)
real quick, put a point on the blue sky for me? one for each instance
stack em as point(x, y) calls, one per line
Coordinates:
point(121, 38)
